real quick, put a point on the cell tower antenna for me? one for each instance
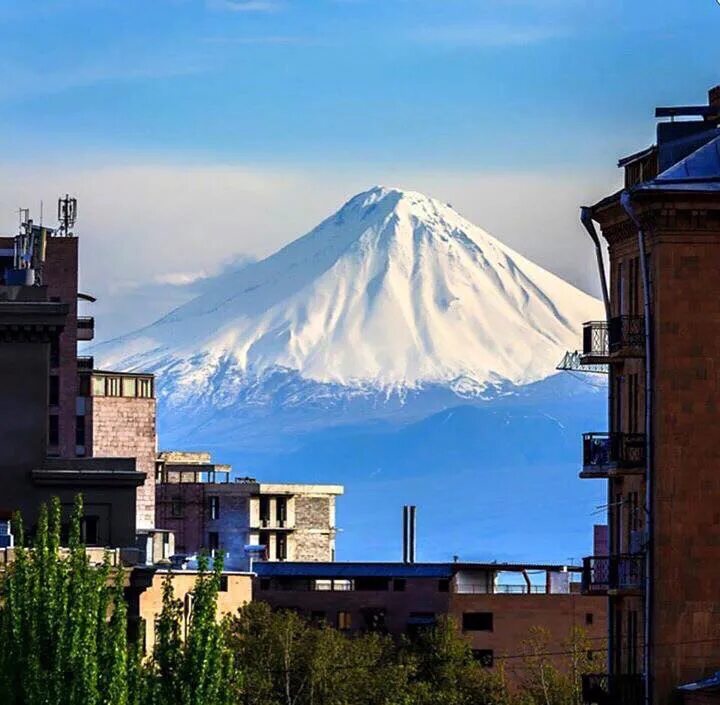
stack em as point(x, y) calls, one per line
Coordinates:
point(67, 215)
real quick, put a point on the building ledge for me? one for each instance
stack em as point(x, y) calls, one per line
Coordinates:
point(89, 472)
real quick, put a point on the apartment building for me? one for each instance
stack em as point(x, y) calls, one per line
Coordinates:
point(659, 455)
point(495, 605)
point(196, 500)
point(81, 430)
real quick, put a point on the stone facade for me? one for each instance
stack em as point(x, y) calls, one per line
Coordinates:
point(120, 427)
point(294, 522)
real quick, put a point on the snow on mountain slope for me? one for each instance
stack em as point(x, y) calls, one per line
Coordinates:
point(394, 291)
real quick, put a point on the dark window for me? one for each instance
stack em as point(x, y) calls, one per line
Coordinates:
point(318, 616)
point(53, 430)
point(213, 541)
point(54, 351)
point(89, 530)
point(214, 507)
point(264, 511)
point(177, 506)
point(444, 585)
point(588, 618)
point(281, 511)
point(368, 584)
point(54, 391)
point(399, 585)
point(281, 547)
point(265, 583)
point(374, 619)
point(80, 430)
point(477, 622)
point(223, 583)
point(590, 655)
point(485, 657)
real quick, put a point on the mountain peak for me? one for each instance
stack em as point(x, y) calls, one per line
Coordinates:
point(395, 290)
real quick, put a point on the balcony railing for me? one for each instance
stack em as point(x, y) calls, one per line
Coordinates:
point(605, 689)
point(626, 335)
point(605, 452)
point(623, 573)
point(595, 342)
point(85, 328)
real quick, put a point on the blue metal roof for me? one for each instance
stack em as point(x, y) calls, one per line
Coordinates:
point(699, 171)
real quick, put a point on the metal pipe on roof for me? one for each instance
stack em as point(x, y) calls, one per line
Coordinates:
point(587, 221)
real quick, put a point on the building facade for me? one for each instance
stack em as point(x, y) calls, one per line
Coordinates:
point(496, 617)
point(94, 432)
point(197, 502)
point(661, 342)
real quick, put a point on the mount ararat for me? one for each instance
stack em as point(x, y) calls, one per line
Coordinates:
point(402, 351)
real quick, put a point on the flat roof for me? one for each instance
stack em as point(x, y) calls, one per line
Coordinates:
point(392, 570)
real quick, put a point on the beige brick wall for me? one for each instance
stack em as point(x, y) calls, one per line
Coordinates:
point(124, 427)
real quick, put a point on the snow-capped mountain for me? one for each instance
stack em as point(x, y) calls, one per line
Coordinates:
point(395, 291)
point(402, 351)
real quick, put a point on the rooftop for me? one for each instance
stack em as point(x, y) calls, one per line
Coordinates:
point(395, 570)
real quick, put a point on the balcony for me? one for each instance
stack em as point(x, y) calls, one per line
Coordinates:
point(611, 454)
point(596, 348)
point(85, 363)
point(606, 689)
point(273, 523)
point(623, 574)
point(626, 336)
point(85, 328)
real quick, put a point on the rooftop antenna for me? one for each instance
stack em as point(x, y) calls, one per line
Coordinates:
point(67, 215)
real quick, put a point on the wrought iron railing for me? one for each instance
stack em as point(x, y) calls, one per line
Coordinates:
point(622, 572)
point(626, 332)
point(595, 339)
point(626, 450)
point(606, 689)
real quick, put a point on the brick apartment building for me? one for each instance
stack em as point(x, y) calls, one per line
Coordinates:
point(399, 598)
point(660, 455)
point(197, 502)
point(92, 432)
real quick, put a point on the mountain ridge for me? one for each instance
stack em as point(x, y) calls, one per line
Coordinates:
point(393, 291)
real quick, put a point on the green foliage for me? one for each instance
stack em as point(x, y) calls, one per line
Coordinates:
point(64, 631)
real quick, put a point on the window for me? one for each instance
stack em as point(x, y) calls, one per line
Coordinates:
point(80, 430)
point(54, 391)
point(589, 618)
point(214, 507)
point(399, 584)
point(113, 386)
point(281, 547)
point(177, 507)
point(213, 541)
point(53, 430)
point(223, 583)
point(89, 534)
point(54, 351)
point(317, 616)
point(371, 584)
point(485, 657)
point(145, 388)
point(264, 511)
point(477, 622)
point(281, 511)
point(344, 620)
point(444, 585)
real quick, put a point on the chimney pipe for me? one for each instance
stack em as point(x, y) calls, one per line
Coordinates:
point(412, 526)
point(405, 533)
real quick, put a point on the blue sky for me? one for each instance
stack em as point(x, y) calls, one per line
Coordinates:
point(289, 106)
